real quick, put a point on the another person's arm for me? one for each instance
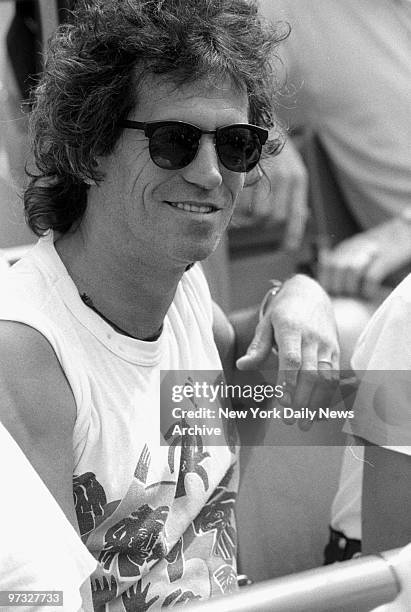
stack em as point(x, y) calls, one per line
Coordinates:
point(276, 191)
point(358, 265)
point(382, 418)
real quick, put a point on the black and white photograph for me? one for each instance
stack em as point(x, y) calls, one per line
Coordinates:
point(205, 305)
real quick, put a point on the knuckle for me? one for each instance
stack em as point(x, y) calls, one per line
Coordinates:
point(292, 361)
point(255, 345)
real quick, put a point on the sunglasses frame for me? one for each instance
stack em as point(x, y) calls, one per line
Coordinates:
point(150, 127)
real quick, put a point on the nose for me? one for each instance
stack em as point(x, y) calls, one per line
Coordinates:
point(204, 170)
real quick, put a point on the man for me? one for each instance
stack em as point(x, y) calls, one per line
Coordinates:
point(382, 365)
point(146, 120)
point(349, 80)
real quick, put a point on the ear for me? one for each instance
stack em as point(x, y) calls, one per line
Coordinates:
point(88, 180)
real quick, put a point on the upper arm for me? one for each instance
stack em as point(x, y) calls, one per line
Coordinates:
point(386, 502)
point(38, 408)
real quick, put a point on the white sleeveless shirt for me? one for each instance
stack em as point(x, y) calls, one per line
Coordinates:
point(159, 519)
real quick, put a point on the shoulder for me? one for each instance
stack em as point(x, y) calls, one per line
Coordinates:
point(36, 403)
point(23, 284)
point(28, 363)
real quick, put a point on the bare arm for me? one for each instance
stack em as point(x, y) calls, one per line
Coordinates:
point(359, 265)
point(300, 321)
point(279, 197)
point(38, 408)
point(386, 502)
point(233, 336)
point(225, 339)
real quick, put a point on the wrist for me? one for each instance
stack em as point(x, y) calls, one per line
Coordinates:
point(269, 296)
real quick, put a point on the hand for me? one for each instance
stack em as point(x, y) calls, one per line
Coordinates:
point(358, 265)
point(135, 598)
point(300, 320)
point(281, 198)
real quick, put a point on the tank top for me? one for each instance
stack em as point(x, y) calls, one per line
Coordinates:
point(158, 518)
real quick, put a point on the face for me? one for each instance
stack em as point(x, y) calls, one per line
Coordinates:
point(173, 215)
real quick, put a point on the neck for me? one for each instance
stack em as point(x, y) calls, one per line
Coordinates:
point(134, 295)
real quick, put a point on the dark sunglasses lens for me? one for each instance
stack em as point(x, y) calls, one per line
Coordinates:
point(173, 146)
point(239, 148)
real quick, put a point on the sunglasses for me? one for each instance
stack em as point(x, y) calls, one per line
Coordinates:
point(174, 144)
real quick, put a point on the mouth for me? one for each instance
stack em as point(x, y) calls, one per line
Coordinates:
point(194, 207)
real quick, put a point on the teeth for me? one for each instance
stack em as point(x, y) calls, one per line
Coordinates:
point(191, 208)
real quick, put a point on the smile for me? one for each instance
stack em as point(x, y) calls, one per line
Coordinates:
point(193, 208)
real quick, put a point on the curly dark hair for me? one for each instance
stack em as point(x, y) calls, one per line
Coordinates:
point(91, 75)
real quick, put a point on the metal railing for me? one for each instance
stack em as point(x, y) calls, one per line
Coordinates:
point(359, 585)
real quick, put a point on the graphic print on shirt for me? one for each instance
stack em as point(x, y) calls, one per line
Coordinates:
point(103, 590)
point(117, 416)
point(89, 501)
point(131, 545)
point(226, 579)
point(192, 455)
point(137, 599)
point(175, 562)
point(179, 597)
point(229, 425)
point(217, 516)
point(130, 540)
point(136, 539)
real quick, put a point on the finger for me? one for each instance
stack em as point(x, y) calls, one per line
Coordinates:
point(308, 376)
point(337, 273)
point(305, 424)
point(353, 279)
point(281, 404)
point(347, 267)
point(259, 348)
point(326, 385)
point(358, 270)
point(288, 420)
point(289, 362)
point(373, 278)
point(318, 382)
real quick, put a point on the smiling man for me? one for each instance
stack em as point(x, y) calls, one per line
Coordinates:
point(147, 118)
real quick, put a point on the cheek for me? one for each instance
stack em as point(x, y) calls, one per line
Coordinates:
point(139, 187)
point(235, 183)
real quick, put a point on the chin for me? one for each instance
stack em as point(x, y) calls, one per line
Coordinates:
point(202, 251)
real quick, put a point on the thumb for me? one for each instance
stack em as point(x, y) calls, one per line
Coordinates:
point(259, 348)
